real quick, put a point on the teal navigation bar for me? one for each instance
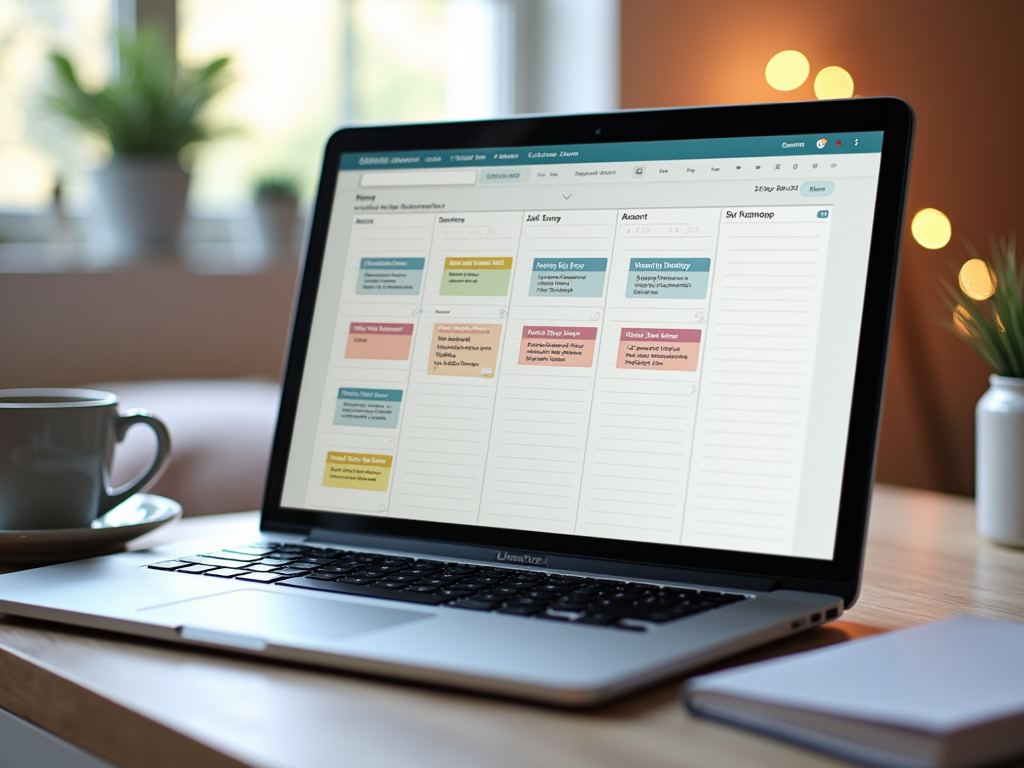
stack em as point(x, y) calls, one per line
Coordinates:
point(630, 151)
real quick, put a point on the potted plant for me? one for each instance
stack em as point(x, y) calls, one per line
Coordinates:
point(987, 307)
point(276, 199)
point(151, 115)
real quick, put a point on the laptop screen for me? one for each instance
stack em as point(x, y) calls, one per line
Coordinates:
point(644, 341)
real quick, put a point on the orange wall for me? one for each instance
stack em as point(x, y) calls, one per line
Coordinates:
point(959, 65)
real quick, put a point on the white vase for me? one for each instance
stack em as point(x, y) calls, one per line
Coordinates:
point(140, 204)
point(999, 452)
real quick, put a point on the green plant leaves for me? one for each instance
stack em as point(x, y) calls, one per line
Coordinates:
point(153, 107)
point(994, 327)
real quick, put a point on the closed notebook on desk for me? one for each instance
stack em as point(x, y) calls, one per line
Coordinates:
point(947, 694)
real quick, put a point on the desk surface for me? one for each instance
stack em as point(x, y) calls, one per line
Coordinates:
point(152, 705)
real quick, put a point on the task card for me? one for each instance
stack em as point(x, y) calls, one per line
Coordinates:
point(359, 471)
point(476, 276)
point(558, 345)
point(568, 277)
point(669, 278)
point(379, 341)
point(358, 407)
point(390, 277)
point(464, 349)
point(666, 349)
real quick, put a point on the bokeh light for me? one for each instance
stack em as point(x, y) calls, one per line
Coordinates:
point(787, 70)
point(833, 83)
point(977, 280)
point(931, 228)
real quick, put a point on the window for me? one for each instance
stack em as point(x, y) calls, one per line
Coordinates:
point(36, 149)
point(302, 69)
point(305, 69)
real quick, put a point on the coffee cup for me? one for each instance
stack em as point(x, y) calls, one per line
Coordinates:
point(56, 449)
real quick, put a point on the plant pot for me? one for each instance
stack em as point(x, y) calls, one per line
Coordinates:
point(141, 206)
point(280, 229)
point(999, 453)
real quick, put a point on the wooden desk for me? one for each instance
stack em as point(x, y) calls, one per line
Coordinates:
point(150, 705)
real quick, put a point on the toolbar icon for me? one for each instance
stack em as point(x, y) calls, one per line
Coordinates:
point(821, 142)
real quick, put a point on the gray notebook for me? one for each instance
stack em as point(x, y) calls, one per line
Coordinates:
point(947, 694)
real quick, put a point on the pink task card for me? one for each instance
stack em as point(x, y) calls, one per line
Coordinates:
point(665, 349)
point(379, 341)
point(558, 345)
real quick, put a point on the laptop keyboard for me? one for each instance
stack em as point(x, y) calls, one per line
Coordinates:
point(550, 596)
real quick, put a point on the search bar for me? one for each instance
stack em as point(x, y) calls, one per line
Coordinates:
point(417, 178)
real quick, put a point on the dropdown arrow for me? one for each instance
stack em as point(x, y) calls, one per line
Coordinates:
point(567, 196)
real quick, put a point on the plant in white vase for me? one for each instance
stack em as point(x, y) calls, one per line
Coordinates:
point(987, 309)
point(151, 115)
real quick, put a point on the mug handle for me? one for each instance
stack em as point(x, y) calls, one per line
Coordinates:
point(114, 496)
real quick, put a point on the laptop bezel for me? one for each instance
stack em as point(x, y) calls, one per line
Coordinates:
point(840, 575)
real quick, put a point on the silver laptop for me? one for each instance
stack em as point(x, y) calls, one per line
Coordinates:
point(572, 404)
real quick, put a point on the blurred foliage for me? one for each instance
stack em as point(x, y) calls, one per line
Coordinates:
point(280, 186)
point(993, 326)
point(152, 107)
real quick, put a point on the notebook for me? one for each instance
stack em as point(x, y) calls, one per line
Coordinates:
point(943, 695)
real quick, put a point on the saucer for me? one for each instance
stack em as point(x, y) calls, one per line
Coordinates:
point(140, 514)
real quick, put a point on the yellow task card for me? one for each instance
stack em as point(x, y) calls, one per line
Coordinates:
point(359, 471)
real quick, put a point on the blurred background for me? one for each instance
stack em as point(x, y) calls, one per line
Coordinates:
point(216, 305)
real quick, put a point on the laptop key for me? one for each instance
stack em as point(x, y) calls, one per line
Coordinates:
point(473, 605)
point(451, 594)
point(599, 619)
point(225, 573)
point(292, 571)
point(196, 569)
point(407, 578)
point(216, 562)
point(261, 578)
point(364, 590)
point(259, 568)
point(432, 582)
point(237, 557)
point(168, 565)
point(566, 606)
point(520, 610)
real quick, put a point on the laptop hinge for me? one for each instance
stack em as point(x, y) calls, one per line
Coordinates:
point(503, 557)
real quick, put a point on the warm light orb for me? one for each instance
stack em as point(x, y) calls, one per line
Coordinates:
point(931, 228)
point(960, 318)
point(787, 70)
point(833, 83)
point(977, 280)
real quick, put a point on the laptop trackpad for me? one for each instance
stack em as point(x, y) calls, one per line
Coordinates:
point(251, 618)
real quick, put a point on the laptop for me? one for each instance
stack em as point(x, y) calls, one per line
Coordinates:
point(572, 404)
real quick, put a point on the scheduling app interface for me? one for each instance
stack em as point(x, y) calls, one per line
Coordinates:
point(647, 341)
